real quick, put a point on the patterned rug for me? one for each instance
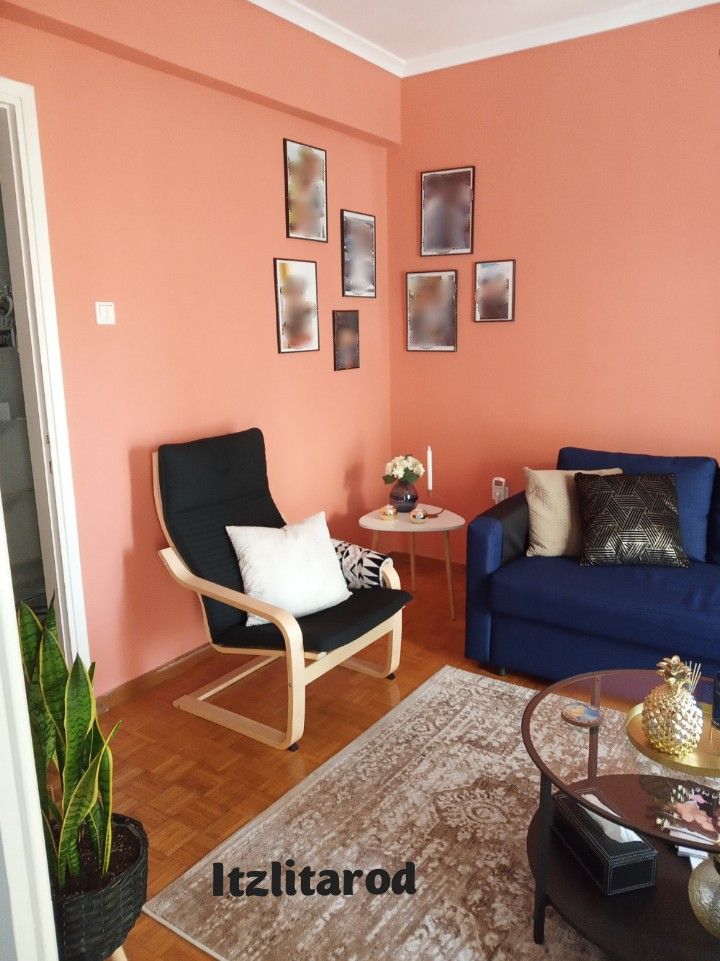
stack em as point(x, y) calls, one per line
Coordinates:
point(442, 780)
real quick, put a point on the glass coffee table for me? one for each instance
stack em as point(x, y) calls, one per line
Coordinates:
point(652, 923)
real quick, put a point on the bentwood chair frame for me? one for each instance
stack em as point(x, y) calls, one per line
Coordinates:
point(302, 666)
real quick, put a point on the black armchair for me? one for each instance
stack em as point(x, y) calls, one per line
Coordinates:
point(200, 488)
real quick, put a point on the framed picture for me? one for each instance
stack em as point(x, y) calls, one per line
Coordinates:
point(447, 200)
point(357, 232)
point(432, 310)
point(305, 191)
point(494, 290)
point(296, 303)
point(346, 339)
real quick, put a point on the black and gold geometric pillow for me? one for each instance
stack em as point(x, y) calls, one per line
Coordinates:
point(630, 519)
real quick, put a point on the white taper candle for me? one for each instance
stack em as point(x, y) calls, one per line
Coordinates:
point(429, 467)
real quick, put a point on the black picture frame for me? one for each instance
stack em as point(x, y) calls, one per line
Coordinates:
point(437, 349)
point(288, 232)
point(345, 215)
point(349, 319)
point(278, 310)
point(446, 251)
point(510, 319)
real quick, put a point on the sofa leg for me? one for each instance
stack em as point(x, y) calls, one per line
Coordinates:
point(498, 670)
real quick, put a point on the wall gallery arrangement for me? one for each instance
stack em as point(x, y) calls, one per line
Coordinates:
point(296, 302)
point(357, 237)
point(432, 310)
point(447, 214)
point(346, 339)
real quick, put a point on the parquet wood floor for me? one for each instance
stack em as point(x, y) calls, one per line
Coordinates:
point(192, 783)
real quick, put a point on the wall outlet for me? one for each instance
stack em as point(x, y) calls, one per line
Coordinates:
point(104, 312)
point(499, 489)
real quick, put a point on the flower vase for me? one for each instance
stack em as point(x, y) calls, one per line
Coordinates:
point(404, 496)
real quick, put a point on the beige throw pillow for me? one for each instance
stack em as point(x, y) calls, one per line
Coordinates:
point(554, 512)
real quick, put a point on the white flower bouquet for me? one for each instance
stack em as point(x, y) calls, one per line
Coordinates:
point(407, 468)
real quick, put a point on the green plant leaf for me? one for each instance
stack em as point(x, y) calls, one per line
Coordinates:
point(91, 671)
point(81, 802)
point(79, 716)
point(53, 681)
point(42, 731)
point(93, 822)
point(103, 810)
point(30, 631)
point(105, 790)
point(50, 847)
point(50, 622)
point(54, 810)
point(388, 478)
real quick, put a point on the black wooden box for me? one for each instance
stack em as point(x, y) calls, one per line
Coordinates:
point(613, 865)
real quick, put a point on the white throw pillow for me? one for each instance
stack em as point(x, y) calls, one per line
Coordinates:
point(293, 567)
point(555, 523)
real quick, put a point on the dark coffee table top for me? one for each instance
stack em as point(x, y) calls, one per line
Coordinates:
point(637, 789)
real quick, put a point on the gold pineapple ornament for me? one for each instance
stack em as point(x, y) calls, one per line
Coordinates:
point(671, 717)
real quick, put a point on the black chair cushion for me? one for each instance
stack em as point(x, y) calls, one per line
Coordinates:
point(329, 629)
point(206, 485)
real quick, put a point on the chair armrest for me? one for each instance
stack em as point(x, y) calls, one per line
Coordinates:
point(390, 576)
point(494, 538)
point(285, 621)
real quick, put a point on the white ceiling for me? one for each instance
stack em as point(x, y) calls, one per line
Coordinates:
point(414, 36)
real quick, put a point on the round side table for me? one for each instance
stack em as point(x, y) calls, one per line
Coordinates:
point(445, 522)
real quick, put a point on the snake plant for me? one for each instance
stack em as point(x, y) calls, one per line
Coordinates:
point(72, 757)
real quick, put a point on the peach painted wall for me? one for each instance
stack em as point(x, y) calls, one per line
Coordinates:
point(167, 198)
point(235, 45)
point(597, 168)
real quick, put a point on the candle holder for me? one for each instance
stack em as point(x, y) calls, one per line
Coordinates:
point(388, 512)
point(419, 515)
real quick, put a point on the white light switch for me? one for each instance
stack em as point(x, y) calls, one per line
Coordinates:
point(104, 312)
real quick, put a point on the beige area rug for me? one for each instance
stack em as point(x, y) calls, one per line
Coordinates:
point(442, 780)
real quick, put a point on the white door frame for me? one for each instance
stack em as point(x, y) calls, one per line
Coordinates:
point(29, 913)
point(19, 129)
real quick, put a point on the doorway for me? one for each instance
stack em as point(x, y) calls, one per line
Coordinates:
point(31, 568)
point(36, 485)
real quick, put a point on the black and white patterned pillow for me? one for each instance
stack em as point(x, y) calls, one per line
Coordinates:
point(630, 519)
point(360, 566)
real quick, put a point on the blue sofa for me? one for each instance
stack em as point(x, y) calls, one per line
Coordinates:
point(551, 617)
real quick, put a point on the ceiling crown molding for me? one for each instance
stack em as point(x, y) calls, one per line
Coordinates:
point(316, 23)
point(571, 29)
point(622, 16)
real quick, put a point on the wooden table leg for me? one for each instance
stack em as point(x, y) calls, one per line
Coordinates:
point(118, 955)
point(448, 568)
point(412, 561)
point(375, 540)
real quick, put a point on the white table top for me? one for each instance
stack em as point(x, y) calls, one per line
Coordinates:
point(447, 521)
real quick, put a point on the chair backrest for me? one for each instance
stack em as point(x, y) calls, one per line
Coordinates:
point(204, 486)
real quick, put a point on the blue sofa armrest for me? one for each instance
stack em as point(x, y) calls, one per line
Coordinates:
point(494, 538)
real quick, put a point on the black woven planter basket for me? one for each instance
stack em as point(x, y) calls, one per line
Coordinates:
point(91, 926)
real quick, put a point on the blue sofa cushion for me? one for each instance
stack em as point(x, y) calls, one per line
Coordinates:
point(695, 478)
point(654, 606)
